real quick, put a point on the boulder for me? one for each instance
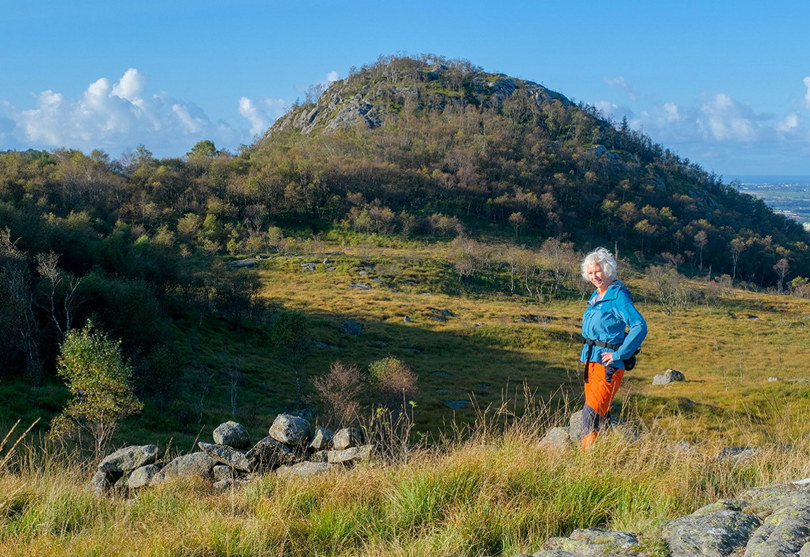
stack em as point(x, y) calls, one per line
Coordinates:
point(575, 427)
point(305, 469)
point(232, 434)
point(129, 458)
point(782, 533)
point(321, 440)
point(100, 482)
point(290, 430)
point(737, 453)
point(222, 471)
point(269, 454)
point(669, 376)
point(347, 437)
point(592, 541)
point(142, 476)
point(716, 530)
point(352, 455)
point(226, 455)
point(198, 465)
point(556, 439)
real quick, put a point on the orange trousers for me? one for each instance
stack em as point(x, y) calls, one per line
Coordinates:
point(599, 393)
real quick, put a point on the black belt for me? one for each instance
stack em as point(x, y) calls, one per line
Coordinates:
point(600, 344)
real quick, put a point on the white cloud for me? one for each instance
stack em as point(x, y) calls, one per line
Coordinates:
point(332, 76)
point(621, 83)
point(262, 113)
point(723, 119)
point(788, 124)
point(114, 117)
point(807, 93)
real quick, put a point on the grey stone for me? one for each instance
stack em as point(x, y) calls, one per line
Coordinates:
point(737, 453)
point(575, 427)
point(308, 266)
point(321, 440)
point(291, 430)
point(669, 376)
point(222, 471)
point(716, 530)
point(129, 458)
point(557, 439)
point(360, 286)
point(347, 437)
point(304, 469)
point(141, 477)
point(198, 465)
point(227, 455)
point(456, 404)
point(269, 454)
point(782, 533)
point(593, 541)
point(232, 434)
point(351, 455)
point(100, 482)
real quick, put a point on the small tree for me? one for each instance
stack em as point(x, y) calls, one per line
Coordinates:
point(100, 382)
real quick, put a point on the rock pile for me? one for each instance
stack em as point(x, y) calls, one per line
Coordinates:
point(292, 446)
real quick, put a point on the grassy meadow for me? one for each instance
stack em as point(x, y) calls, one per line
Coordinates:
point(481, 485)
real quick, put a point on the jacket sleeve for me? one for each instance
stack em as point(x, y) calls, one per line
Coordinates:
point(635, 323)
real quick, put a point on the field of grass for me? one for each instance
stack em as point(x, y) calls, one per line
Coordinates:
point(482, 487)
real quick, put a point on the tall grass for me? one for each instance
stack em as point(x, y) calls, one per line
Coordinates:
point(491, 491)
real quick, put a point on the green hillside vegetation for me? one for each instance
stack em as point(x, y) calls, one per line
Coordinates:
point(430, 175)
point(413, 235)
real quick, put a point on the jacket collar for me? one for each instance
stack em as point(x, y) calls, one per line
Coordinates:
point(610, 294)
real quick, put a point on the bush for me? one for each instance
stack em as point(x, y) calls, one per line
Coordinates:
point(393, 381)
point(101, 383)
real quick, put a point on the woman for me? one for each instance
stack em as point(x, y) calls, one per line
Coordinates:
point(613, 330)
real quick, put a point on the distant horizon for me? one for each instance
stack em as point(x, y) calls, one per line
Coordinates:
point(768, 178)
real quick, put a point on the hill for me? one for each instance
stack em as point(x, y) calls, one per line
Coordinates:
point(406, 141)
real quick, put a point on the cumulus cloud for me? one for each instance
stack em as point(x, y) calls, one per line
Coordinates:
point(262, 113)
point(115, 117)
point(724, 119)
point(788, 124)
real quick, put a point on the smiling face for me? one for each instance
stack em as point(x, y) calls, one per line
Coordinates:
point(597, 277)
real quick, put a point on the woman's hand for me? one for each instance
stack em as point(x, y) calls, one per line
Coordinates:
point(607, 357)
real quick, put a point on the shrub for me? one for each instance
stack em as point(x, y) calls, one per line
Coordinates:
point(339, 390)
point(101, 383)
point(393, 381)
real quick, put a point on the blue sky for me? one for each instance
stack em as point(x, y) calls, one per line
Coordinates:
point(725, 84)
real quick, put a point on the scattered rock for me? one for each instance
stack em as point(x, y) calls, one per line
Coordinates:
point(352, 455)
point(198, 465)
point(556, 439)
point(737, 453)
point(269, 454)
point(141, 477)
point(291, 430)
point(456, 404)
point(308, 266)
point(347, 437)
point(227, 455)
point(232, 434)
point(129, 458)
point(590, 541)
point(669, 376)
point(361, 286)
point(321, 440)
point(305, 469)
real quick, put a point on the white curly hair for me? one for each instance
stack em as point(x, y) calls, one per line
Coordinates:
point(604, 259)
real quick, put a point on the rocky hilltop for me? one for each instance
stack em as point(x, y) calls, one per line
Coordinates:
point(376, 94)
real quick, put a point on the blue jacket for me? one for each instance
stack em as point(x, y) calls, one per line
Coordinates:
point(614, 320)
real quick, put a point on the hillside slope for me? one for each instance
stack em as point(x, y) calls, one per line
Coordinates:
point(403, 142)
